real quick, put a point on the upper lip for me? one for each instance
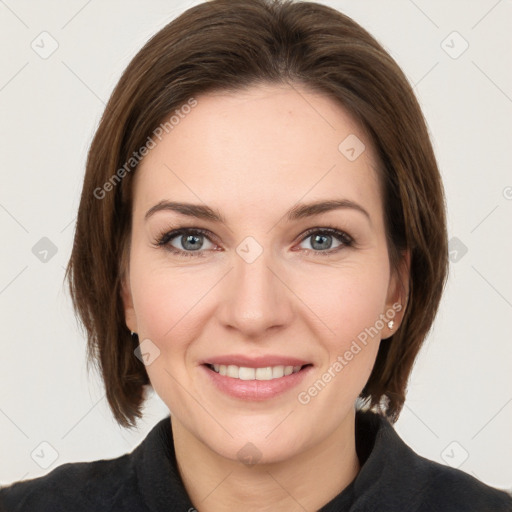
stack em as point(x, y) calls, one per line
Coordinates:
point(255, 362)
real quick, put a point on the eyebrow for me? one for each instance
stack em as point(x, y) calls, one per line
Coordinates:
point(299, 211)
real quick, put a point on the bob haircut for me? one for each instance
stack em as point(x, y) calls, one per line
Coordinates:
point(230, 45)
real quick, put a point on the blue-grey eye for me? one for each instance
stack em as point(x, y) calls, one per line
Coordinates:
point(189, 241)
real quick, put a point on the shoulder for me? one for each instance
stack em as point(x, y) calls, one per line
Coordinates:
point(433, 487)
point(447, 488)
point(95, 486)
point(398, 478)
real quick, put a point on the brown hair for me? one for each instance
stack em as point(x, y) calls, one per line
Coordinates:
point(230, 45)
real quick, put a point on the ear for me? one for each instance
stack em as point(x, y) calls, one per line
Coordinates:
point(126, 297)
point(398, 294)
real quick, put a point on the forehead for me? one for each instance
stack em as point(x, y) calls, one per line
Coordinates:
point(275, 144)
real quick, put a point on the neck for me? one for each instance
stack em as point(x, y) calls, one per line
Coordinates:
point(306, 481)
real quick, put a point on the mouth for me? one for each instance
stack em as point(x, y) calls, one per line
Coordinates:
point(262, 373)
point(255, 380)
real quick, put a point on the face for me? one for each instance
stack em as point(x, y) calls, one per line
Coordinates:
point(228, 308)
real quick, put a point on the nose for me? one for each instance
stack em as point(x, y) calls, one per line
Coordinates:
point(255, 298)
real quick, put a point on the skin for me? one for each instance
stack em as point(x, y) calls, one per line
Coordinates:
point(253, 155)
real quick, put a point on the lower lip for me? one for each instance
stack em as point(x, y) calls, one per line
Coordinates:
point(255, 390)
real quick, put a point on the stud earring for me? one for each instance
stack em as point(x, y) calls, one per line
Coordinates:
point(391, 323)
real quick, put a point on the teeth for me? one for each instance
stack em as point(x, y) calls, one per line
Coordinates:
point(262, 373)
point(245, 373)
point(277, 371)
point(233, 371)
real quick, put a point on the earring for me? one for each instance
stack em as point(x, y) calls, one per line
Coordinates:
point(391, 323)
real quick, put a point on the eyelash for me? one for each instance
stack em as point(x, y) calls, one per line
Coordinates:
point(164, 238)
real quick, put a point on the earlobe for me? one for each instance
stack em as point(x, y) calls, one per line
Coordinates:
point(398, 295)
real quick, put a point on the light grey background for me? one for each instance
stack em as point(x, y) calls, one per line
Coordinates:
point(459, 406)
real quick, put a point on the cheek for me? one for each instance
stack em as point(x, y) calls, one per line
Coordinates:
point(164, 297)
point(164, 303)
point(151, 301)
point(171, 309)
point(352, 307)
point(349, 300)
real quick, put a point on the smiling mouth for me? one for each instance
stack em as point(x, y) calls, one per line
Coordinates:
point(263, 373)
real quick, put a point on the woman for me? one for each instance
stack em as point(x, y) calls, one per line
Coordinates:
point(261, 239)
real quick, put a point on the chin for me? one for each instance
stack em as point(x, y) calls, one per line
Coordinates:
point(259, 451)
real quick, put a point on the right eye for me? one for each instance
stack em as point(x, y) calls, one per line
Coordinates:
point(190, 240)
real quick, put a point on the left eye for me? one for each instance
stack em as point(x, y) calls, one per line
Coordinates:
point(321, 240)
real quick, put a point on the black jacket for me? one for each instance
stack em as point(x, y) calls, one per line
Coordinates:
point(393, 478)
